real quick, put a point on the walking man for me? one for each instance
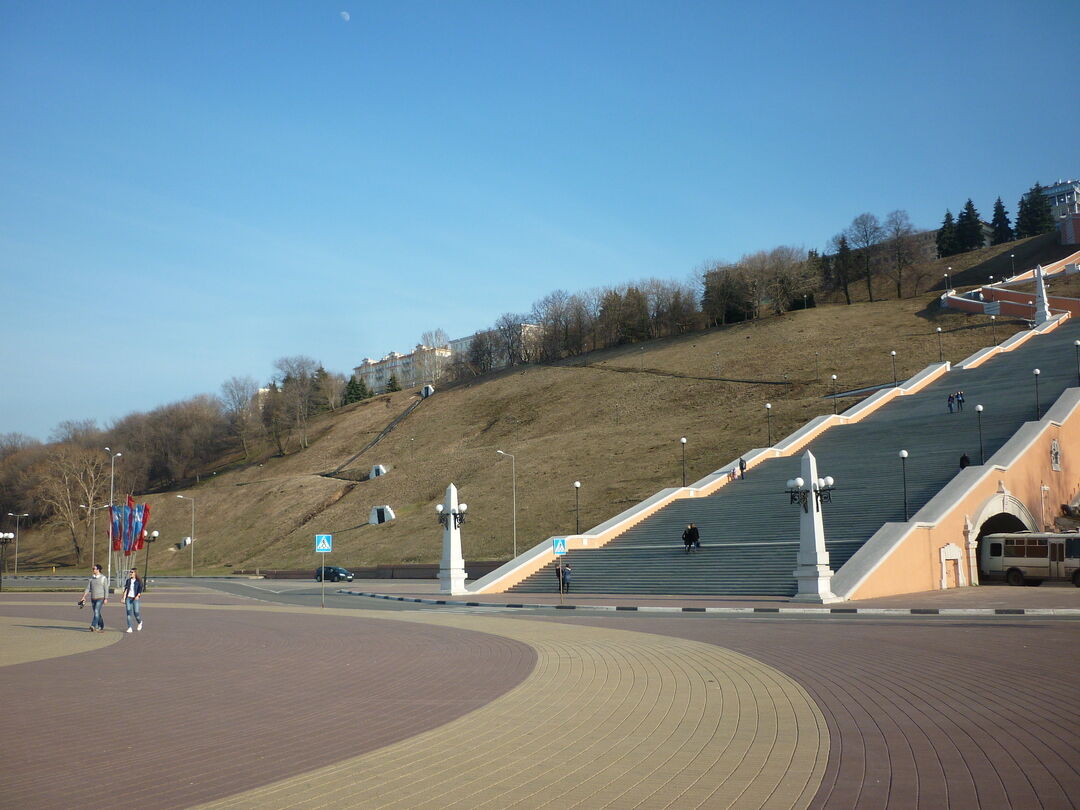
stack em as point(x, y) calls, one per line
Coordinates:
point(97, 590)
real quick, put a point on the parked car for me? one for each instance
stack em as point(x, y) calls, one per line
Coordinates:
point(333, 573)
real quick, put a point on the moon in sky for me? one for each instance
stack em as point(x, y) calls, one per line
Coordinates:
point(345, 16)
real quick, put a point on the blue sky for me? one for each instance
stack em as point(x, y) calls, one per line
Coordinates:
point(190, 191)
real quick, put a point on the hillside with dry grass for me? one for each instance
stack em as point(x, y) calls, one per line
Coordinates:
point(611, 419)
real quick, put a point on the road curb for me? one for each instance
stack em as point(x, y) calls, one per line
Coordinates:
point(799, 611)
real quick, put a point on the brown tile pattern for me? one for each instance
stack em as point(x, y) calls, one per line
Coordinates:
point(925, 713)
point(205, 702)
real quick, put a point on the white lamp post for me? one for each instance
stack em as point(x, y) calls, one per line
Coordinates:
point(834, 394)
point(903, 472)
point(1038, 409)
point(93, 530)
point(682, 442)
point(12, 514)
point(978, 413)
point(112, 490)
point(940, 349)
point(577, 506)
point(189, 498)
point(768, 420)
point(892, 355)
point(513, 493)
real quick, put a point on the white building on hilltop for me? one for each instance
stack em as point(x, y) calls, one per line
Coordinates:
point(424, 365)
point(427, 364)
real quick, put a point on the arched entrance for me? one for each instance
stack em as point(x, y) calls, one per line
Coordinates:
point(1002, 512)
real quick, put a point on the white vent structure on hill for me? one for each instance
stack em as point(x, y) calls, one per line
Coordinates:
point(427, 391)
point(381, 514)
point(376, 471)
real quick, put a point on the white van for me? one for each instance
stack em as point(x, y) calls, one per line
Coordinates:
point(1034, 556)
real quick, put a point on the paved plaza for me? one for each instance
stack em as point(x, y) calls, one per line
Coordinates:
point(250, 695)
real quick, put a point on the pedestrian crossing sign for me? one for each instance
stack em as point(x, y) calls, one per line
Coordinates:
point(559, 546)
point(324, 543)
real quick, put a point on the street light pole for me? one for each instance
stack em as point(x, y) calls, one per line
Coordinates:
point(834, 394)
point(112, 505)
point(1076, 346)
point(1012, 262)
point(768, 420)
point(978, 413)
point(93, 529)
point(513, 493)
point(682, 441)
point(5, 541)
point(903, 472)
point(12, 514)
point(993, 327)
point(947, 279)
point(189, 498)
point(1038, 410)
point(892, 355)
point(577, 507)
point(940, 349)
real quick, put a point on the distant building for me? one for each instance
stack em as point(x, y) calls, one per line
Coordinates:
point(1064, 198)
point(427, 364)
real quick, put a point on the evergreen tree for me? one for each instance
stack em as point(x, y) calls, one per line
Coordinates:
point(843, 266)
point(969, 235)
point(1033, 215)
point(356, 390)
point(946, 236)
point(393, 384)
point(1003, 231)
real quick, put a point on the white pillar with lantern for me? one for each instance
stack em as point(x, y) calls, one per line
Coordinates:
point(452, 565)
point(814, 576)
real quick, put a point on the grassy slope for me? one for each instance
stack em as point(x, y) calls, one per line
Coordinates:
point(615, 431)
point(608, 424)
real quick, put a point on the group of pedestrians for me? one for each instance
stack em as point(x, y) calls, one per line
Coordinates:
point(956, 401)
point(97, 591)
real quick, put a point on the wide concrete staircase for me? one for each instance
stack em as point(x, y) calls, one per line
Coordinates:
point(750, 530)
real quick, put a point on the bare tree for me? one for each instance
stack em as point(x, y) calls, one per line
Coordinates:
point(865, 234)
point(899, 233)
point(72, 476)
point(298, 388)
point(509, 338)
point(482, 349)
point(83, 432)
point(331, 388)
point(787, 277)
point(239, 397)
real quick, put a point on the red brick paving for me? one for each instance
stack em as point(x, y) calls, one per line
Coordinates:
point(202, 704)
point(924, 714)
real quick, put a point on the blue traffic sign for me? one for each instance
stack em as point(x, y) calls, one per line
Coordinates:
point(558, 546)
point(324, 543)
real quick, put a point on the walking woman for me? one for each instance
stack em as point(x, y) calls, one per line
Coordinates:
point(132, 594)
point(97, 591)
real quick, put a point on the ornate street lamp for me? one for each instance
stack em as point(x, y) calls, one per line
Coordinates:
point(444, 516)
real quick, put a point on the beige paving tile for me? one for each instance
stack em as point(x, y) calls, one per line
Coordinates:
point(608, 718)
